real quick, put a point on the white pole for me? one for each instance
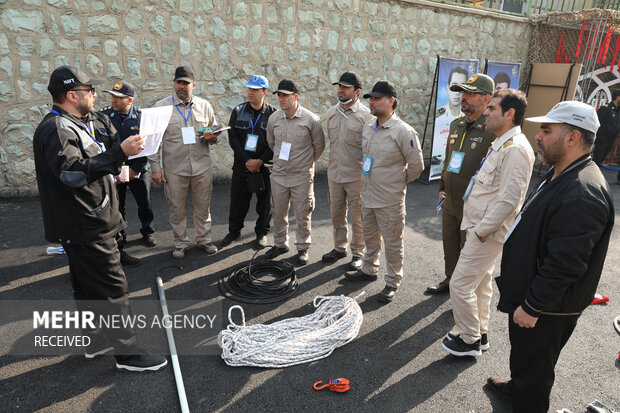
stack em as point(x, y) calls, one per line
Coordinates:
point(173, 350)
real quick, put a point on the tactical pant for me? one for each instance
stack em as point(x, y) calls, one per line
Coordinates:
point(302, 198)
point(387, 223)
point(345, 197)
point(200, 187)
point(141, 190)
point(453, 237)
point(240, 198)
point(471, 286)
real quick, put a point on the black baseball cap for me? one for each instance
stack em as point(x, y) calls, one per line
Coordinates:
point(184, 74)
point(65, 78)
point(122, 89)
point(287, 86)
point(382, 88)
point(349, 79)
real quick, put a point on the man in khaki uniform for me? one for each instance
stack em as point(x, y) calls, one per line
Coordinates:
point(392, 158)
point(186, 162)
point(295, 136)
point(492, 200)
point(469, 139)
point(345, 121)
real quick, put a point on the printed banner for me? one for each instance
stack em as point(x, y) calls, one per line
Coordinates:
point(505, 75)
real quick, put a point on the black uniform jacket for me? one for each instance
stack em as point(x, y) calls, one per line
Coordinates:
point(127, 126)
point(77, 194)
point(552, 262)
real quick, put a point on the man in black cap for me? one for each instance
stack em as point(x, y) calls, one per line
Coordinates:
point(345, 121)
point(295, 136)
point(468, 140)
point(125, 118)
point(609, 117)
point(392, 158)
point(80, 211)
point(183, 162)
point(248, 140)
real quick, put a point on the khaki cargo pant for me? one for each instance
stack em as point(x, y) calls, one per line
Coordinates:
point(345, 197)
point(471, 286)
point(302, 198)
point(200, 187)
point(387, 223)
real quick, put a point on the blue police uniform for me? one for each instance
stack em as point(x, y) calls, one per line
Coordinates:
point(127, 125)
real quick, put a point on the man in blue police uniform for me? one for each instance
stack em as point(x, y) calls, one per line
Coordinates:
point(248, 140)
point(125, 117)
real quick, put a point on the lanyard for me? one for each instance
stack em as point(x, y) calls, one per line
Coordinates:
point(186, 119)
point(255, 122)
point(343, 114)
point(86, 128)
point(484, 159)
point(463, 140)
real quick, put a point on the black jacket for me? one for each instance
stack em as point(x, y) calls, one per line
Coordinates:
point(127, 126)
point(240, 121)
point(552, 262)
point(609, 118)
point(77, 195)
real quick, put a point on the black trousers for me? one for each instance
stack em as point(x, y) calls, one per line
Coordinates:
point(141, 190)
point(533, 355)
point(240, 199)
point(100, 286)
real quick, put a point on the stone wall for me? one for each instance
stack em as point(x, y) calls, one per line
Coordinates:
point(311, 41)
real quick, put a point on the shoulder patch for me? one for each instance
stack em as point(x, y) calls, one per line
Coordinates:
point(508, 143)
point(440, 112)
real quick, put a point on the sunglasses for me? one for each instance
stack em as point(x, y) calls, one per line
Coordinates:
point(90, 89)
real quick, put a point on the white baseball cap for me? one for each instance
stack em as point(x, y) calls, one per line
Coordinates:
point(573, 113)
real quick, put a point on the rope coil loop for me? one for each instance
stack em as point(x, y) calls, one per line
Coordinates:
point(335, 322)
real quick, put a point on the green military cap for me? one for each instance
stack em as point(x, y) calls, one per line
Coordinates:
point(478, 83)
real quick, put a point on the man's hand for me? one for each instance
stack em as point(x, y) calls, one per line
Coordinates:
point(132, 174)
point(253, 165)
point(523, 319)
point(158, 178)
point(209, 136)
point(133, 145)
point(442, 195)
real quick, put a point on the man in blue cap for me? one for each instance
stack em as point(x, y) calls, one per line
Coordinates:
point(248, 140)
point(125, 117)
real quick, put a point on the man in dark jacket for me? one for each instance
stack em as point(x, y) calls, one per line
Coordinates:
point(609, 117)
point(125, 117)
point(80, 211)
point(248, 140)
point(553, 255)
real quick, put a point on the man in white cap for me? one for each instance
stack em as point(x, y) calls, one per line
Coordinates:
point(553, 256)
point(248, 140)
point(492, 199)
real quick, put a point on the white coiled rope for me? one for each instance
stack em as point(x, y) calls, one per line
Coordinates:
point(336, 321)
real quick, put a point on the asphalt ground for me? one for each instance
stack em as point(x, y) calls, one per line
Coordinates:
point(395, 364)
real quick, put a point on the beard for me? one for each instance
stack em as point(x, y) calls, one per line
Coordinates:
point(85, 107)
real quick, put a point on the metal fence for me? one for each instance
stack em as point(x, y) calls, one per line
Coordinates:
point(532, 7)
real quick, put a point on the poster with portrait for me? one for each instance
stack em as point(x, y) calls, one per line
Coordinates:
point(505, 75)
point(448, 107)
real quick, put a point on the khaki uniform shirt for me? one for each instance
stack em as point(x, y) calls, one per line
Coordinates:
point(344, 130)
point(178, 158)
point(397, 159)
point(304, 132)
point(474, 141)
point(500, 186)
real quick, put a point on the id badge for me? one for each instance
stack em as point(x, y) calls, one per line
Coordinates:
point(250, 142)
point(285, 151)
point(367, 165)
point(469, 187)
point(189, 135)
point(456, 162)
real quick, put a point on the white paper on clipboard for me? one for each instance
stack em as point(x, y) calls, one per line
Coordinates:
point(153, 123)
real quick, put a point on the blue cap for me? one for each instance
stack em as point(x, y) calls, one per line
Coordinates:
point(258, 82)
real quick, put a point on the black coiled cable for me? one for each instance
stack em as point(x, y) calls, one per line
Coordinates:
point(260, 282)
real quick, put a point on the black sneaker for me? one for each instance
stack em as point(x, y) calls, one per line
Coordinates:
point(230, 238)
point(333, 256)
point(302, 257)
point(261, 241)
point(388, 293)
point(440, 288)
point(93, 351)
point(127, 259)
point(484, 340)
point(275, 251)
point(504, 388)
point(458, 347)
point(149, 240)
point(141, 362)
point(360, 275)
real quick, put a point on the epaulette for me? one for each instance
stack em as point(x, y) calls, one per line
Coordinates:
point(508, 143)
point(440, 112)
